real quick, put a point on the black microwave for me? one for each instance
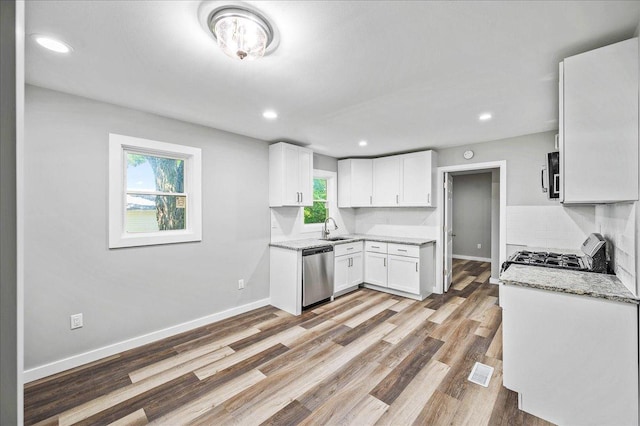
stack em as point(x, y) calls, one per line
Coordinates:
point(550, 175)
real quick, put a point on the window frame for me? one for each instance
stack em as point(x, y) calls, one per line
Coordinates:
point(332, 206)
point(119, 145)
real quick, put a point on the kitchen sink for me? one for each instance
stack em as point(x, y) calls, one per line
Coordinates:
point(339, 238)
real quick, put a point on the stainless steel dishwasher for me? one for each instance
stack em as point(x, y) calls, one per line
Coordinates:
point(317, 275)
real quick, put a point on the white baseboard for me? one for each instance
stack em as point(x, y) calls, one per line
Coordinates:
point(479, 259)
point(96, 354)
point(494, 281)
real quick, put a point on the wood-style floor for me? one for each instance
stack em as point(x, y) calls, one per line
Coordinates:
point(366, 358)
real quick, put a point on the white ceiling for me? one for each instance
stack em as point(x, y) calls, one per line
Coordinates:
point(402, 75)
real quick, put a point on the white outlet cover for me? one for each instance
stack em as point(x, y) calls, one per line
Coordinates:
point(76, 321)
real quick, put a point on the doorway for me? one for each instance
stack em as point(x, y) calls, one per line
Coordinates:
point(444, 249)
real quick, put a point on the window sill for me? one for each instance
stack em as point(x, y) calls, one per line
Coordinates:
point(156, 238)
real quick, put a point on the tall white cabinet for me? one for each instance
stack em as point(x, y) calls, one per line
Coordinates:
point(290, 175)
point(599, 125)
point(405, 180)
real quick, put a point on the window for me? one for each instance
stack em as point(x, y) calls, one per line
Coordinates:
point(154, 192)
point(319, 212)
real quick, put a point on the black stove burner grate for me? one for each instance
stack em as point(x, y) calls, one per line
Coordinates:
point(548, 259)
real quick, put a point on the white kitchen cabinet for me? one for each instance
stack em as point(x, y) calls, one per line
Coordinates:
point(599, 125)
point(355, 182)
point(348, 266)
point(285, 279)
point(375, 268)
point(403, 273)
point(407, 270)
point(417, 178)
point(290, 175)
point(573, 359)
point(386, 181)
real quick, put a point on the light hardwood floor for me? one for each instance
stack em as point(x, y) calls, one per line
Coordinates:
point(366, 358)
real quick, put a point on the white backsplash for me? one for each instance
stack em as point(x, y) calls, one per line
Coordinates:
point(417, 222)
point(287, 224)
point(552, 227)
point(616, 222)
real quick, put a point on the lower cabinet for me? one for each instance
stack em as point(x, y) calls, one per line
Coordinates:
point(348, 266)
point(375, 271)
point(403, 269)
point(403, 274)
point(573, 359)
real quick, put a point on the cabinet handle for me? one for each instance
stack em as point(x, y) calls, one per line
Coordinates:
point(375, 247)
point(349, 248)
point(397, 198)
point(416, 266)
point(370, 199)
point(302, 197)
point(350, 261)
point(428, 198)
point(402, 250)
point(384, 262)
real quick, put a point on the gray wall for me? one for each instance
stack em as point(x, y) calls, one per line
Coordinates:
point(8, 254)
point(324, 162)
point(125, 293)
point(524, 155)
point(472, 215)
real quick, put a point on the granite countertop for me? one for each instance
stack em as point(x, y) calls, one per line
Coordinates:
point(316, 242)
point(590, 284)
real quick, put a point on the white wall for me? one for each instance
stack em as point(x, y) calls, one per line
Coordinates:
point(125, 293)
point(418, 222)
point(616, 222)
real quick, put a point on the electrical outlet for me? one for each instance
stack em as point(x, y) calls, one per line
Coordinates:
point(76, 321)
point(479, 246)
point(240, 284)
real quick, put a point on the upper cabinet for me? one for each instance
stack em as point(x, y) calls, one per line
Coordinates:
point(599, 125)
point(405, 180)
point(355, 182)
point(290, 175)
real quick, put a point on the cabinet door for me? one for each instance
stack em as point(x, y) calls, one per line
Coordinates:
point(386, 181)
point(341, 273)
point(404, 274)
point(600, 124)
point(375, 269)
point(305, 176)
point(361, 182)
point(415, 182)
point(291, 195)
point(356, 271)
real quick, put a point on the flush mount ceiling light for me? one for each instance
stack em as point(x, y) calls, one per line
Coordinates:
point(241, 33)
point(486, 116)
point(51, 43)
point(362, 143)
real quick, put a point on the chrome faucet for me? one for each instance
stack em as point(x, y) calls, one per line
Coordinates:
point(325, 231)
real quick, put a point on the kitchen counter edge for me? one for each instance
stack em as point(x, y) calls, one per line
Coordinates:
point(601, 286)
point(313, 242)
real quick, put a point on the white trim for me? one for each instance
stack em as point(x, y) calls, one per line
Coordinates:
point(502, 165)
point(478, 259)
point(97, 354)
point(20, 131)
point(393, 291)
point(192, 183)
point(494, 281)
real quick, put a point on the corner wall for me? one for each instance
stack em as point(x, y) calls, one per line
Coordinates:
point(130, 292)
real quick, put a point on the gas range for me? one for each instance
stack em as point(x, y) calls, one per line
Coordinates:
point(550, 260)
point(594, 259)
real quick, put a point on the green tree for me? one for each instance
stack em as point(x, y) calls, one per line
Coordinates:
point(169, 177)
point(317, 213)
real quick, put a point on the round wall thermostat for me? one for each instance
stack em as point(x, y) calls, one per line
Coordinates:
point(468, 155)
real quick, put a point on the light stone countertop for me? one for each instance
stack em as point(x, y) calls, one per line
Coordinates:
point(590, 284)
point(316, 242)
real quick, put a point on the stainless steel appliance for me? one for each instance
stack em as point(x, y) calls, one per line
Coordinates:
point(317, 275)
point(594, 259)
point(550, 175)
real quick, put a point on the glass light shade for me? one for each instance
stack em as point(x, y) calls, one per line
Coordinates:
point(240, 33)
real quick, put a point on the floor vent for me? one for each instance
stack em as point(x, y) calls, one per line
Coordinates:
point(481, 374)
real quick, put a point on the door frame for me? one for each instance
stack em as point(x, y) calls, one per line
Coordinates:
point(502, 166)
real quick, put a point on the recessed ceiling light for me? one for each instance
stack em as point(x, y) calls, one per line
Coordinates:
point(362, 143)
point(270, 114)
point(52, 44)
point(485, 116)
